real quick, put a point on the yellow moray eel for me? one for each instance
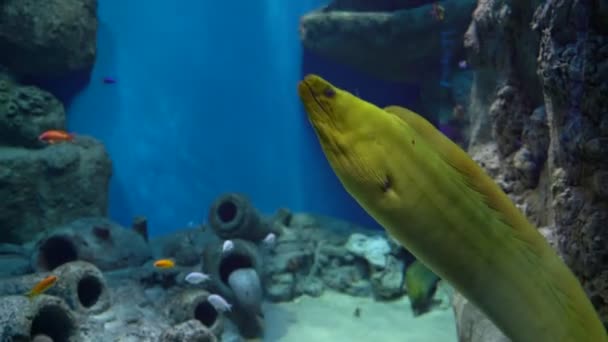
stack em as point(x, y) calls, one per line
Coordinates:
point(439, 204)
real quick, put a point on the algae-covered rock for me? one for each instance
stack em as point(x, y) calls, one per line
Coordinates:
point(192, 304)
point(14, 260)
point(374, 6)
point(421, 284)
point(573, 68)
point(22, 319)
point(374, 249)
point(99, 241)
point(48, 37)
point(388, 283)
point(26, 112)
point(183, 246)
point(281, 287)
point(395, 46)
point(82, 286)
point(79, 284)
point(191, 331)
point(48, 187)
point(42, 189)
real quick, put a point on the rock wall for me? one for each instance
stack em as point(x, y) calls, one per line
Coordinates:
point(45, 186)
point(540, 99)
point(573, 68)
point(393, 45)
point(50, 37)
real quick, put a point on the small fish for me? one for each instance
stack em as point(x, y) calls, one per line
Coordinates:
point(438, 11)
point(219, 303)
point(42, 286)
point(164, 263)
point(270, 239)
point(109, 80)
point(227, 246)
point(54, 136)
point(196, 277)
point(463, 64)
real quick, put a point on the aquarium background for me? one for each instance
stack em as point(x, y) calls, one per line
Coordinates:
point(205, 103)
point(192, 107)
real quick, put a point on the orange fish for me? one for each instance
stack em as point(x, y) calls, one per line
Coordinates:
point(54, 136)
point(42, 286)
point(164, 263)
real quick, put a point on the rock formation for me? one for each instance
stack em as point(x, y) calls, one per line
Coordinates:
point(43, 186)
point(550, 68)
point(48, 38)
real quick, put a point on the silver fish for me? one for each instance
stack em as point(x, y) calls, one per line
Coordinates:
point(219, 303)
point(270, 239)
point(227, 246)
point(196, 277)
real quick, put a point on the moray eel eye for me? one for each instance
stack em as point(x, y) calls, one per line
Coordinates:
point(329, 92)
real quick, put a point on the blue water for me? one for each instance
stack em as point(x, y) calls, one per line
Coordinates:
point(206, 103)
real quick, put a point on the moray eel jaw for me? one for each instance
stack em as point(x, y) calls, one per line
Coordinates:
point(351, 147)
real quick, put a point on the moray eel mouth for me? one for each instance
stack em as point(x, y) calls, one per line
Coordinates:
point(318, 98)
point(340, 138)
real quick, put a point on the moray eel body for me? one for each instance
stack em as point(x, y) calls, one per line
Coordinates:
point(439, 204)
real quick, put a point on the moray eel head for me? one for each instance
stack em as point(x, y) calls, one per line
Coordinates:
point(353, 149)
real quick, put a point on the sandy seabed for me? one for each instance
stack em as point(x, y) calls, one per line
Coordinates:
point(331, 318)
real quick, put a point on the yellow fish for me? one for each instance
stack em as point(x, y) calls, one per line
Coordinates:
point(41, 286)
point(439, 204)
point(164, 263)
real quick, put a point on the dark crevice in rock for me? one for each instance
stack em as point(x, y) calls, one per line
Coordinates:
point(56, 251)
point(54, 322)
point(232, 262)
point(89, 291)
point(205, 313)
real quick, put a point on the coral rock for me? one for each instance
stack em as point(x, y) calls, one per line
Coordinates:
point(26, 112)
point(22, 319)
point(192, 304)
point(387, 283)
point(373, 249)
point(390, 45)
point(45, 188)
point(78, 241)
point(51, 37)
point(190, 331)
point(281, 287)
point(82, 286)
point(14, 260)
point(183, 246)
